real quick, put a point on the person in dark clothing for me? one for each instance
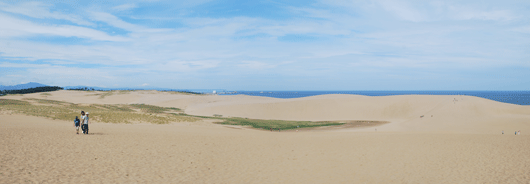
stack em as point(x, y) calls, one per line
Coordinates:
point(77, 123)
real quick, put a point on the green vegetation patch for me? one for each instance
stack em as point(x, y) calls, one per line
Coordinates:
point(111, 108)
point(44, 101)
point(153, 109)
point(104, 94)
point(98, 112)
point(5, 102)
point(275, 124)
point(147, 113)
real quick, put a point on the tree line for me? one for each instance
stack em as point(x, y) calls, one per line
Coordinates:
point(84, 89)
point(31, 90)
point(92, 89)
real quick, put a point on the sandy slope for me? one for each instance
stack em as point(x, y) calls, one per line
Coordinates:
point(457, 114)
point(37, 150)
point(460, 143)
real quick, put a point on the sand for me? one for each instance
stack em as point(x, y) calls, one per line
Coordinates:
point(461, 143)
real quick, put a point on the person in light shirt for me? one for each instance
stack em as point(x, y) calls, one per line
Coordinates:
point(84, 120)
point(85, 123)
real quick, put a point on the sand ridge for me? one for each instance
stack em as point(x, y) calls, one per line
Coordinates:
point(460, 143)
point(441, 113)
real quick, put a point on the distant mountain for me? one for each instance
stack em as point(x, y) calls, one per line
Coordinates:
point(22, 86)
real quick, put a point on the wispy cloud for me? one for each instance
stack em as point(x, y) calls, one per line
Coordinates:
point(14, 27)
point(211, 44)
point(22, 65)
point(42, 11)
point(125, 7)
point(113, 21)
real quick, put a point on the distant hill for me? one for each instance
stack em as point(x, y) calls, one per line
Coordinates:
point(22, 86)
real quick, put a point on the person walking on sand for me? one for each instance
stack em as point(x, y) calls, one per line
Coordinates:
point(77, 122)
point(85, 123)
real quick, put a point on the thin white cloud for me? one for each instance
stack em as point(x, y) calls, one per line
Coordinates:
point(497, 15)
point(403, 10)
point(352, 35)
point(423, 11)
point(13, 27)
point(42, 11)
point(124, 7)
point(183, 66)
point(113, 21)
point(256, 65)
point(22, 65)
point(57, 75)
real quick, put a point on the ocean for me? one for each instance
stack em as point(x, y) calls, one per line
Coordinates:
point(513, 97)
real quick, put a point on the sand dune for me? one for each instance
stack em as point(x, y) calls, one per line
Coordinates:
point(460, 143)
point(452, 113)
point(440, 113)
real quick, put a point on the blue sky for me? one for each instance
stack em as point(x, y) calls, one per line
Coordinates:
point(268, 45)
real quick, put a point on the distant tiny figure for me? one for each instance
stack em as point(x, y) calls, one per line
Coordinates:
point(515, 132)
point(279, 129)
point(376, 129)
point(519, 132)
point(77, 124)
point(503, 132)
point(271, 129)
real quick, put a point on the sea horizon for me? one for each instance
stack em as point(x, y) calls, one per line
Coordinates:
point(512, 97)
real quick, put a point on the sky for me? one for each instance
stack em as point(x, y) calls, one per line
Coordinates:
point(268, 45)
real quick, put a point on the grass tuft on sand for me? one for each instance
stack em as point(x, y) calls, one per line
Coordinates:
point(268, 124)
point(153, 109)
point(276, 124)
point(6, 102)
point(104, 94)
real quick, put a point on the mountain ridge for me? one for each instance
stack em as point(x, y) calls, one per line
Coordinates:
point(22, 86)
